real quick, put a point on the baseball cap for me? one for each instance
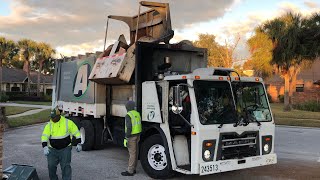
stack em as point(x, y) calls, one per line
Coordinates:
point(54, 112)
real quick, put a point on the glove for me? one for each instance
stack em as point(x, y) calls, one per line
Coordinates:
point(46, 151)
point(79, 147)
point(125, 142)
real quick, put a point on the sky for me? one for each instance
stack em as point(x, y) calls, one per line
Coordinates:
point(74, 27)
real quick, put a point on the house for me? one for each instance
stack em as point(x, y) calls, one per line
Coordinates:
point(307, 87)
point(16, 80)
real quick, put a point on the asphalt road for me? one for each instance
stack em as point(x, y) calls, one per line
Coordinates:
point(298, 152)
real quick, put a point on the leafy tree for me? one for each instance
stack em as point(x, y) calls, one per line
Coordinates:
point(8, 49)
point(28, 49)
point(260, 47)
point(48, 66)
point(43, 53)
point(218, 55)
point(293, 40)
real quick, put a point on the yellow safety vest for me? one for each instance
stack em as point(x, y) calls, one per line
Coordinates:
point(60, 130)
point(135, 121)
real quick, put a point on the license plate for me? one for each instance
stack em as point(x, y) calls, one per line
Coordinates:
point(208, 169)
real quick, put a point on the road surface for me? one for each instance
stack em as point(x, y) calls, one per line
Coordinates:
point(298, 152)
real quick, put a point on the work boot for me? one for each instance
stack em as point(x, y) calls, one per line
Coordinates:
point(126, 173)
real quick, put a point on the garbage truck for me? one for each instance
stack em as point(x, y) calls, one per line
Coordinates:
point(196, 119)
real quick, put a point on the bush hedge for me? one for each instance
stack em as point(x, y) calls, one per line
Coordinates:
point(3, 97)
point(24, 96)
point(308, 106)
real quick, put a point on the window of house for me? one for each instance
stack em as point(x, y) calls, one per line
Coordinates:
point(299, 87)
point(49, 91)
point(15, 89)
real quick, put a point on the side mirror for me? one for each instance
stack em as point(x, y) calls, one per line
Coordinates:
point(177, 100)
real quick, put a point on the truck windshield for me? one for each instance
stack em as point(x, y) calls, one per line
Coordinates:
point(251, 100)
point(215, 102)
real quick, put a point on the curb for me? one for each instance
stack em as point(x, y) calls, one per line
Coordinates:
point(302, 127)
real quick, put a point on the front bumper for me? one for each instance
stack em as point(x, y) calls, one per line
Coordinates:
point(235, 164)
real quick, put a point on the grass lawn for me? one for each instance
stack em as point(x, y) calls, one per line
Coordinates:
point(33, 102)
point(40, 117)
point(11, 110)
point(295, 117)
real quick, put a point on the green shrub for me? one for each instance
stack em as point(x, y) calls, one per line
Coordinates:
point(16, 95)
point(3, 97)
point(308, 106)
point(281, 98)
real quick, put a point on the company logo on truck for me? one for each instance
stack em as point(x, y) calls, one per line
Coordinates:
point(81, 81)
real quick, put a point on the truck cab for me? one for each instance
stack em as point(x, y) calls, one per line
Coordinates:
point(225, 123)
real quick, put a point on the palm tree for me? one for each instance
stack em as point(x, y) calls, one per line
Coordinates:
point(28, 48)
point(8, 49)
point(44, 52)
point(290, 48)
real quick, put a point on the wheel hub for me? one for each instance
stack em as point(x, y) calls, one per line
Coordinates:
point(157, 157)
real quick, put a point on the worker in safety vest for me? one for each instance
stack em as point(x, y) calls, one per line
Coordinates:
point(56, 143)
point(133, 129)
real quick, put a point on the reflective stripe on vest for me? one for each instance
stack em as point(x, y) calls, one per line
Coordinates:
point(135, 121)
point(61, 132)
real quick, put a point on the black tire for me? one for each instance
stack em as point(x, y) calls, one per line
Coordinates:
point(76, 121)
point(148, 145)
point(88, 140)
point(98, 128)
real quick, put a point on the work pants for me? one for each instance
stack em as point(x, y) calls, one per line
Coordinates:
point(62, 156)
point(133, 152)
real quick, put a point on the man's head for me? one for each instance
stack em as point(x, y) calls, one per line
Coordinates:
point(130, 105)
point(55, 115)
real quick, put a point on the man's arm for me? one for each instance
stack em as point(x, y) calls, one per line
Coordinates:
point(45, 135)
point(129, 126)
point(74, 131)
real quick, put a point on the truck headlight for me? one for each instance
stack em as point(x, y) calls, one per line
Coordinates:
point(208, 147)
point(266, 148)
point(266, 144)
point(207, 155)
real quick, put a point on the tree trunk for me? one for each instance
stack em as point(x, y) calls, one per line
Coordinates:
point(286, 92)
point(26, 68)
point(3, 126)
point(293, 83)
point(39, 77)
point(1, 75)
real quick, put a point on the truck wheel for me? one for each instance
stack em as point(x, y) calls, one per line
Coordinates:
point(154, 158)
point(87, 135)
point(98, 128)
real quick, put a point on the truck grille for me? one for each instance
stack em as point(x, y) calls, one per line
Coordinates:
point(234, 146)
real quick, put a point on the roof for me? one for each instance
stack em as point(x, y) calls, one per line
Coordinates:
point(14, 75)
point(44, 78)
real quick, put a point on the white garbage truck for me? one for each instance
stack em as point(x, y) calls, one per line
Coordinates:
point(196, 119)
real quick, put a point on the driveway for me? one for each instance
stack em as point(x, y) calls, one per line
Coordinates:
point(297, 148)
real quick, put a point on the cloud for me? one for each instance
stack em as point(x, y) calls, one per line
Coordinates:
point(73, 22)
point(311, 4)
point(245, 28)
